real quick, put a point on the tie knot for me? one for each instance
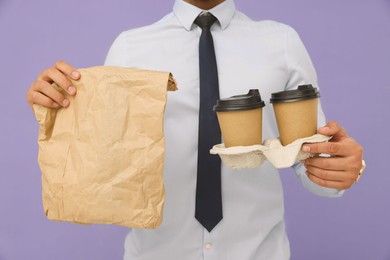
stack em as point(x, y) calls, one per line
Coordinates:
point(205, 20)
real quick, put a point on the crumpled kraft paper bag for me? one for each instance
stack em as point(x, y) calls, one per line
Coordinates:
point(102, 158)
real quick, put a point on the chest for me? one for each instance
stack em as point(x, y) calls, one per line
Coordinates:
point(243, 62)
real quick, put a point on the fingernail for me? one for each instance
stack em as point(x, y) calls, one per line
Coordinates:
point(306, 148)
point(72, 90)
point(75, 74)
point(65, 103)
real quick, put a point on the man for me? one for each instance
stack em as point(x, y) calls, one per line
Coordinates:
point(264, 55)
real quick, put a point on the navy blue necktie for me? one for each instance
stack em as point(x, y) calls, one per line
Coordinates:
point(208, 206)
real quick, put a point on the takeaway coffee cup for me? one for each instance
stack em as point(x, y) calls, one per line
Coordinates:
point(296, 113)
point(240, 119)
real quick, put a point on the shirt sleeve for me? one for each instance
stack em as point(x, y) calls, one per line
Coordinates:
point(116, 54)
point(302, 71)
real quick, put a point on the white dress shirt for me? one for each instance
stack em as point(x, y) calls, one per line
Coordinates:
point(264, 55)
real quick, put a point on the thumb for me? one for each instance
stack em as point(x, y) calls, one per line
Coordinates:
point(332, 128)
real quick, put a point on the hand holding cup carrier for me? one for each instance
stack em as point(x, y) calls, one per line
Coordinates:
point(240, 119)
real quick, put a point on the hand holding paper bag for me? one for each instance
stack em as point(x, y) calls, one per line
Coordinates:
point(102, 157)
point(42, 92)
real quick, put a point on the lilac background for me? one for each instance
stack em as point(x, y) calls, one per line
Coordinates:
point(349, 43)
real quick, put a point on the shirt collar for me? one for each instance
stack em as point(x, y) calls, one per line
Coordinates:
point(186, 13)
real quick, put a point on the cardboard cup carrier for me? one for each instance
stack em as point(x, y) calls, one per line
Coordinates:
point(240, 119)
point(296, 113)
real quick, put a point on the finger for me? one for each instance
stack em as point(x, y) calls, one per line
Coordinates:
point(329, 184)
point(338, 163)
point(332, 148)
point(44, 88)
point(68, 69)
point(41, 99)
point(326, 174)
point(327, 163)
point(52, 93)
point(332, 128)
point(54, 75)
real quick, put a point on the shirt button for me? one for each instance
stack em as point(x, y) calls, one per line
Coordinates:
point(208, 246)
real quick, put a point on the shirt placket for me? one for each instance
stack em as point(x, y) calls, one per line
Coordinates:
point(210, 244)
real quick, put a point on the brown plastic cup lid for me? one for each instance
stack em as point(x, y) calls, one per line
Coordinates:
point(252, 100)
point(303, 92)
